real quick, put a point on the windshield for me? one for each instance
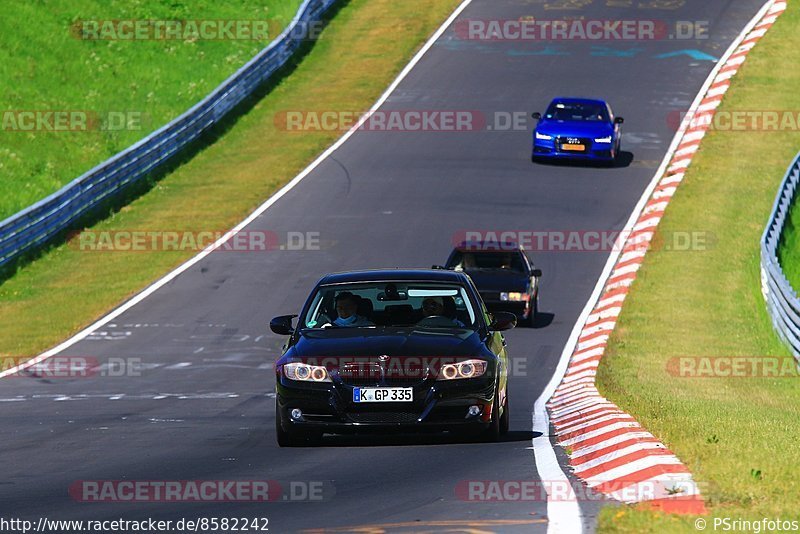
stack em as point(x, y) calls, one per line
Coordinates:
point(577, 111)
point(394, 304)
point(470, 261)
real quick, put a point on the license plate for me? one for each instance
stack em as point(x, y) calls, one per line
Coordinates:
point(577, 148)
point(383, 394)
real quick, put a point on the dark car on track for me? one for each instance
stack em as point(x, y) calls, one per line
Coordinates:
point(577, 128)
point(505, 276)
point(402, 350)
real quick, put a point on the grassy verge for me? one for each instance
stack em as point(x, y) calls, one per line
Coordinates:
point(360, 52)
point(789, 250)
point(739, 435)
point(44, 66)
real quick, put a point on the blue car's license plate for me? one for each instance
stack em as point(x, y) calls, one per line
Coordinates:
point(573, 147)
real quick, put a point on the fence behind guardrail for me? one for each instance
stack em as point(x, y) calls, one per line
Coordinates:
point(38, 223)
point(782, 302)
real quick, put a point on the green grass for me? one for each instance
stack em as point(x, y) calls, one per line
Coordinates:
point(44, 66)
point(709, 303)
point(789, 249)
point(359, 54)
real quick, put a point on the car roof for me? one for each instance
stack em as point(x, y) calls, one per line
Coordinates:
point(572, 100)
point(381, 275)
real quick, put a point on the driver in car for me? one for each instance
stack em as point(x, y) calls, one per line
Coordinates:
point(434, 306)
point(347, 311)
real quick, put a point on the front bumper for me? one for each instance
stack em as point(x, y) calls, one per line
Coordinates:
point(594, 151)
point(437, 406)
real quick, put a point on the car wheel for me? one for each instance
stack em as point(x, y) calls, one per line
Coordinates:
point(504, 419)
point(530, 320)
point(615, 160)
point(526, 321)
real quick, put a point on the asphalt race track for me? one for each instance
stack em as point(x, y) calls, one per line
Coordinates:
point(202, 407)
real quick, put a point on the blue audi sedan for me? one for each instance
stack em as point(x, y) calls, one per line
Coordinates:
point(577, 128)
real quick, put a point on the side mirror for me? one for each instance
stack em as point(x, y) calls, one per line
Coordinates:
point(537, 273)
point(282, 325)
point(503, 321)
point(536, 115)
point(619, 120)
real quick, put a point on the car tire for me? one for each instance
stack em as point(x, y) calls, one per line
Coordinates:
point(493, 432)
point(530, 320)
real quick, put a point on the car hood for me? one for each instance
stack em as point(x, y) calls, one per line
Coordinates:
point(499, 280)
point(574, 128)
point(393, 342)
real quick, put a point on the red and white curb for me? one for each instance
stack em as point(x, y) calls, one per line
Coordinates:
point(607, 448)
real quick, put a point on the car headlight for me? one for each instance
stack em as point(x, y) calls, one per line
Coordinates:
point(465, 369)
point(603, 140)
point(514, 297)
point(543, 137)
point(306, 373)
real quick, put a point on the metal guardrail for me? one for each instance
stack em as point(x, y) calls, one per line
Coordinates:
point(38, 223)
point(782, 301)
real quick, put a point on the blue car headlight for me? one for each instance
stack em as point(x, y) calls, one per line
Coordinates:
point(543, 137)
point(603, 139)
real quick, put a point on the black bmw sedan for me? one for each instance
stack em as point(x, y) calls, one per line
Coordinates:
point(409, 350)
point(504, 275)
